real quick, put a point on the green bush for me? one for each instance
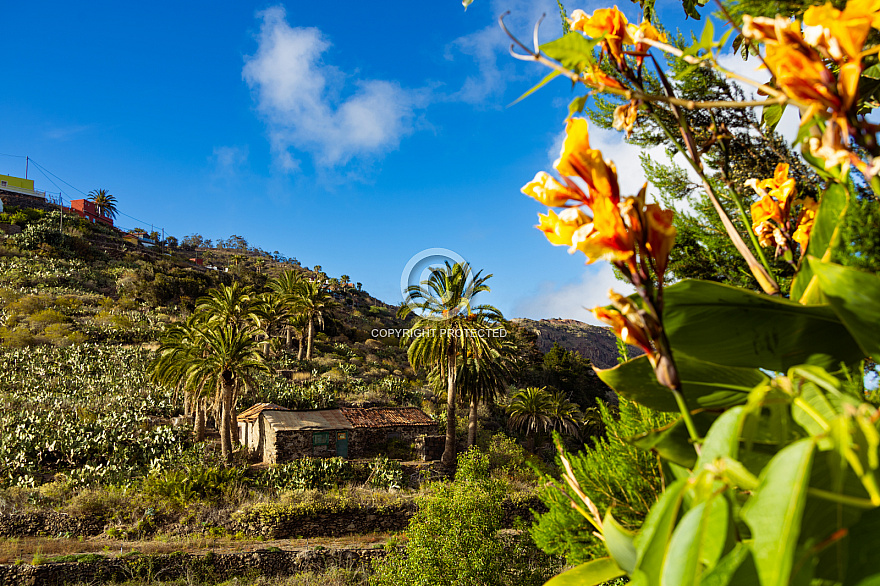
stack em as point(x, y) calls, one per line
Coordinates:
point(309, 473)
point(386, 473)
point(192, 483)
point(454, 538)
point(614, 472)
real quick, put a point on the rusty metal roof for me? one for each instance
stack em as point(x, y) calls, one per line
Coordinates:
point(386, 416)
point(306, 420)
point(252, 413)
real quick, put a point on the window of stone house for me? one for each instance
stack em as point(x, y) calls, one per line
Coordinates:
point(320, 438)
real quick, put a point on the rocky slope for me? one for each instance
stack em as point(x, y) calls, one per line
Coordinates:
point(593, 342)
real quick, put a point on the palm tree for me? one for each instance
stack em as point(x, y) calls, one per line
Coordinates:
point(312, 302)
point(480, 379)
point(529, 412)
point(233, 305)
point(288, 286)
point(104, 203)
point(535, 410)
point(272, 315)
point(205, 355)
point(447, 327)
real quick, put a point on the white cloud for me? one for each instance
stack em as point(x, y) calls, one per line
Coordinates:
point(489, 46)
point(788, 126)
point(229, 160)
point(574, 300)
point(302, 100)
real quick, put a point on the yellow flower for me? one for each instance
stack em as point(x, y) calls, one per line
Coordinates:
point(595, 77)
point(661, 235)
point(764, 231)
point(805, 224)
point(578, 159)
point(627, 322)
point(606, 237)
point(625, 117)
point(560, 228)
point(548, 190)
point(841, 32)
point(608, 23)
point(645, 30)
point(780, 187)
point(766, 209)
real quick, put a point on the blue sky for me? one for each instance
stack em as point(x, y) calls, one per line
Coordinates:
point(352, 138)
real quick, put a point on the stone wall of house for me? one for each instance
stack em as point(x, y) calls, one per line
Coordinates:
point(210, 567)
point(367, 442)
point(430, 447)
point(289, 445)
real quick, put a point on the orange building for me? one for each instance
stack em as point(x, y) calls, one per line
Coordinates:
point(86, 209)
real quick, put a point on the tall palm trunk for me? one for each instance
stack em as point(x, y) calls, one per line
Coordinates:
point(199, 428)
point(311, 336)
point(472, 423)
point(226, 386)
point(288, 337)
point(300, 347)
point(448, 458)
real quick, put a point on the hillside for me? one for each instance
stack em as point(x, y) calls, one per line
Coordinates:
point(592, 342)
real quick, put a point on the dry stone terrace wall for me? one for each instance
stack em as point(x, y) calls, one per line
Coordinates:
point(208, 567)
point(265, 520)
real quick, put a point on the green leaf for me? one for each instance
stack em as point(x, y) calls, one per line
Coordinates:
point(591, 573)
point(855, 297)
point(737, 568)
point(735, 327)
point(823, 238)
point(722, 439)
point(697, 542)
point(873, 71)
point(673, 442)
point(704, 384)
point(574, 51)
point(653, 538)
point(577, 105)
point(773, 513)
point(619, 543)
point(708, 35)
point(772, 114)
point(536, 87)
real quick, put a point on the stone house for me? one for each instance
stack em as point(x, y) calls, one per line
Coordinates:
point(281, 435)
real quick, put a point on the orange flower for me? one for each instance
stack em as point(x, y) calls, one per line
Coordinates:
point(628, 323)
point(766, 209)
point(841, 32)
point(805, 224)
point(645, 30)
point(560, 228)
point(595, 77)
point(548, 190)
point(578, 159)
point(661, 235)
point(607, 237)
point(625, 117)
point(608, 23)
point(764, 232)
point(780, 187)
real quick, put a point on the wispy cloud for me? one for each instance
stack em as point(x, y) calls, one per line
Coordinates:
point(66, 132)
point(229, 160)
point(302, 100)
point(573, 300)
point(488, 48)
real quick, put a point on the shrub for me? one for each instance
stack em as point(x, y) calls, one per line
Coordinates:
point(613, 472)
point(184, 485)
point(308, 474)
point(454, 539)
point(386, 473)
